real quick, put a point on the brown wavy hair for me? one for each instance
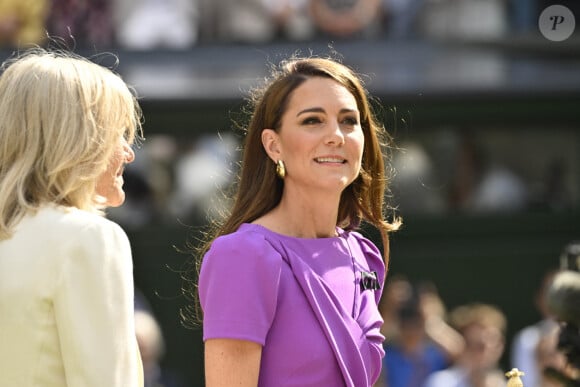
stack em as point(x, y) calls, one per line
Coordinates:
point(258, 190)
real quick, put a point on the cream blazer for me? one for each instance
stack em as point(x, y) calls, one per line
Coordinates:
point(66, 303)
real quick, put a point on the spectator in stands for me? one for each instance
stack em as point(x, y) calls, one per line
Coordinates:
point(523, 17)
point(531, 343)
point(253, 21)
point(201, 173)
point(415, 187)
point(152, 348)
point(290, 18)
point(22, 22)
point(424, 342)
point(464, 20)
point(401, 17)
point(549, 356)
point(484, 185)
point(343, 19)
point(483, 328)
point(87, 24)
point(156, 24)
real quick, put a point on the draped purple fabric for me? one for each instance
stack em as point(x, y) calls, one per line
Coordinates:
point(302, 300)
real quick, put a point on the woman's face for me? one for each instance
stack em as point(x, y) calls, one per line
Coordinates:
point(320, 139)
point(110, 183)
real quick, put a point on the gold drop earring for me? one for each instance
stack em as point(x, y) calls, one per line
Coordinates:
point(280, 169)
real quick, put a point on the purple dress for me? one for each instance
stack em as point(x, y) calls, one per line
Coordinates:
point(311, 304)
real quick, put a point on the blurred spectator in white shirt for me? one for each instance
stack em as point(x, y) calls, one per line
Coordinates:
point(156, 24)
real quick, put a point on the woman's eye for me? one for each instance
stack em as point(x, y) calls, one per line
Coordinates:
point(350, 121)
point(311, 121)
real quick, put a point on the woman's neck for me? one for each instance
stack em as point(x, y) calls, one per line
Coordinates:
point(303, 218)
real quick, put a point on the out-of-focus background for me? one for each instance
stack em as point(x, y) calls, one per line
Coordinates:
point(482, 98)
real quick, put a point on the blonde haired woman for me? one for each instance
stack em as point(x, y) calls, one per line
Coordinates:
point(66, 287)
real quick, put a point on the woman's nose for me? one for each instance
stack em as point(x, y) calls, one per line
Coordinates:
point(335, 136)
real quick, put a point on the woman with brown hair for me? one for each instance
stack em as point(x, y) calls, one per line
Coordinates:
point(288, 288)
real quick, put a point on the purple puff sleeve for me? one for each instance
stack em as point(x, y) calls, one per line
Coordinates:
point(238, 287)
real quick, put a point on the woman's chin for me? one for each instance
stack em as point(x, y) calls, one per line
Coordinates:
point(115, 200)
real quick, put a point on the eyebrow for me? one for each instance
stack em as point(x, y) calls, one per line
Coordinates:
point(321, 110)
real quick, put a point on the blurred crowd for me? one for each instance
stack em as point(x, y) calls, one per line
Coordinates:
point(181, 24)
point(454, 172)
point(429, 346)
point(187, 180)
point(463, 170)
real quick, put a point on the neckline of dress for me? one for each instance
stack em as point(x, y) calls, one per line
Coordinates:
point(340, 233)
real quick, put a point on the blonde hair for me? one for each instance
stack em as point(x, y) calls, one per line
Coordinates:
point(61, 118)
point(464, 316)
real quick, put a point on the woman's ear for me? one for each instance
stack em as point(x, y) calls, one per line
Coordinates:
point(271, 143)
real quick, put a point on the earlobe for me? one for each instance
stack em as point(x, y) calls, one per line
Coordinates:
point(271, 144)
